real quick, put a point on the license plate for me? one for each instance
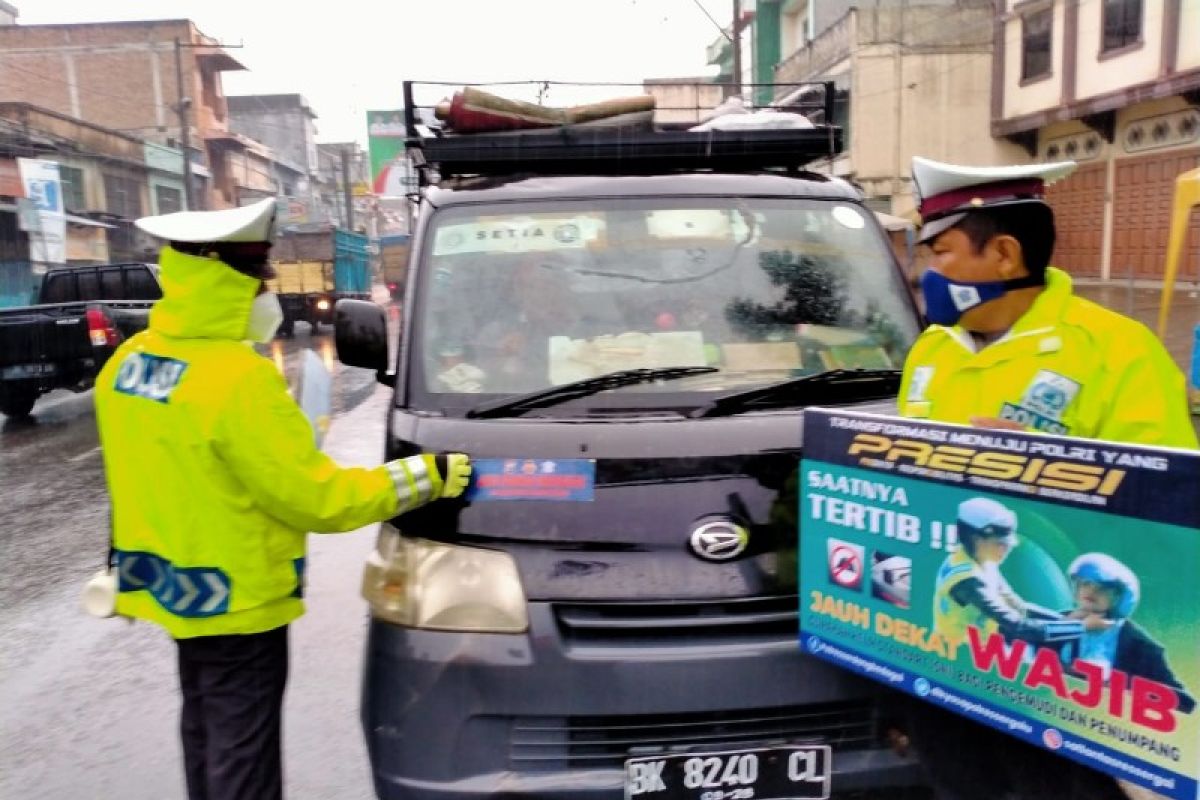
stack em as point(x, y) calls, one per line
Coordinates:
point(796, 772)
point(27, 371)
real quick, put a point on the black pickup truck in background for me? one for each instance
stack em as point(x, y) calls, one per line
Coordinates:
point(81, 314)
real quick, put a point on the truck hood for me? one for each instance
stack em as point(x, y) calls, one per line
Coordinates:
point(657, 481)
point(203, 298)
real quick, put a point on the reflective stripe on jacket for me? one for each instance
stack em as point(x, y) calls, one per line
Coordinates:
point(1068, 367)
point(212, 468)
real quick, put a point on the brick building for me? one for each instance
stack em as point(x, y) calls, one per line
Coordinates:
point(122, 76)
point(1116, 87)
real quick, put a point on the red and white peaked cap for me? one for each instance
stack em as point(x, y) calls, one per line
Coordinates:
point(948, 192)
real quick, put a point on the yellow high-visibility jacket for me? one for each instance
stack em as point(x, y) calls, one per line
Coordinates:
point(212, 468)
point(1068, 366)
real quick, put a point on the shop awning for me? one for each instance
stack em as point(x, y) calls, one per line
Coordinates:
point(91, 223)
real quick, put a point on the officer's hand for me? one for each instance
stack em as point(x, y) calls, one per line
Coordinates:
point(455, 471)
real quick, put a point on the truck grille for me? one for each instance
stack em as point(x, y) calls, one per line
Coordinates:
point(692, 622)
point(545, 743)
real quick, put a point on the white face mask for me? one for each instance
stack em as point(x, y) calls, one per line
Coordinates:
point(266, 316)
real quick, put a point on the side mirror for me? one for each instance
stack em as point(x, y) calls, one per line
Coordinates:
point(361, 338)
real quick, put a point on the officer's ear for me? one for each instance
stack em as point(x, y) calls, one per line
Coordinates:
point(1009, 255)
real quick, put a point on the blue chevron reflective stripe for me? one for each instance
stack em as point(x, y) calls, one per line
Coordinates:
point(184, 591)
point(298, 564)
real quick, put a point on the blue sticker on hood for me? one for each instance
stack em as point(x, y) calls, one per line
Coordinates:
point(571, 480)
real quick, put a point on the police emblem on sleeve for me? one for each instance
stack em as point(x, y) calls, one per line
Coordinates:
point(1044, 403)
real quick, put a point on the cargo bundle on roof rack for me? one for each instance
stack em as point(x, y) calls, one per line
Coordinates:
point(480, 134)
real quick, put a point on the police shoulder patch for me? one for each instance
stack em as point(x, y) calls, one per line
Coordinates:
point(1044, 404)
point(149, 376)
point(1050, 393)
point(918, 384)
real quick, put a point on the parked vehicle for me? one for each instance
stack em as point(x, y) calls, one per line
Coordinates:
point(316, 267)
point(393, 256)
point(79, 317)
point(623, 329)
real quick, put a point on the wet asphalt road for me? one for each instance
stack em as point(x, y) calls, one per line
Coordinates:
point(89, 708)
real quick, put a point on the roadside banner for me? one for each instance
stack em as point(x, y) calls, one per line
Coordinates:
point(48, 236)
point(391, 174)
point(1043, 585)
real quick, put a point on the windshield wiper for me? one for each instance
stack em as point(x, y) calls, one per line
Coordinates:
point(518, 404)
point(881, 383)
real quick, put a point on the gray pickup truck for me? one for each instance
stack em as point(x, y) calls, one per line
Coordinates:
point(80, 316)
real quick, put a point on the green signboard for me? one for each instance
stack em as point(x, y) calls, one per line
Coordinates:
point(1043, 585)
point(385, 143)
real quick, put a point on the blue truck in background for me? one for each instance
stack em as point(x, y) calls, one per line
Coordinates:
point(316, 266)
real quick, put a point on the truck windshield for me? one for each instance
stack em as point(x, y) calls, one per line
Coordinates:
point(515, 298)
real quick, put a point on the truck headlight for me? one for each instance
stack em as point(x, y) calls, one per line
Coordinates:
point(424, 584)
point(322, 304)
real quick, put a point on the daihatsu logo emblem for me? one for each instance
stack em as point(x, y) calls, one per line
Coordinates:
point(719, 540)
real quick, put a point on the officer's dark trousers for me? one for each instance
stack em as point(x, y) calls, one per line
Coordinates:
point(965, 760)
point(232, 707)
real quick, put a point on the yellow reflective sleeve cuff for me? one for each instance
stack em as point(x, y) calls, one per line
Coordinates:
point(436, 478)
point(413, 478)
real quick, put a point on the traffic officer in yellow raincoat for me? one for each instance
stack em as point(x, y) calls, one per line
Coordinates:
point(215, 480)
point(1010, 346)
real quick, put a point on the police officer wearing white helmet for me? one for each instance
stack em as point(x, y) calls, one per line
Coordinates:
point(215, 481)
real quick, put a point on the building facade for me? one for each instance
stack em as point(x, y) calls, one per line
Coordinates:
point(1114, 85)
point(720, 51)
point(682, 101)
point(123, 76)
point(286, 124)
point(911, 78)
point(107, 179)
point(363, 203)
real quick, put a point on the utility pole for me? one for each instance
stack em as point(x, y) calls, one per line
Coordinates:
point(737, 48)
point(346, 190)
point(182, 104)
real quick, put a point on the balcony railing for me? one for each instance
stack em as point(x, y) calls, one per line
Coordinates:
point(811, 61)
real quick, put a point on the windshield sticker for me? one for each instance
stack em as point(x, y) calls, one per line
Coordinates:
point(569, 480)
point(577, 359)
point(704, 223)
point(517, 235)
point(849, 217)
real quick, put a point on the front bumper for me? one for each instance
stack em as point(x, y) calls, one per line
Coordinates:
point(539, 715)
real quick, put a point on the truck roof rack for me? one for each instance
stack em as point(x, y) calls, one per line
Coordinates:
point(569, 149)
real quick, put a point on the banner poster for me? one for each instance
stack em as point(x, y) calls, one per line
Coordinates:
point(385, 144)
point(1046, 586)
point(48, 242)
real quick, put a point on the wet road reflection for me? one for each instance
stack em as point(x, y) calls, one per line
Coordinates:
point(88, 707)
